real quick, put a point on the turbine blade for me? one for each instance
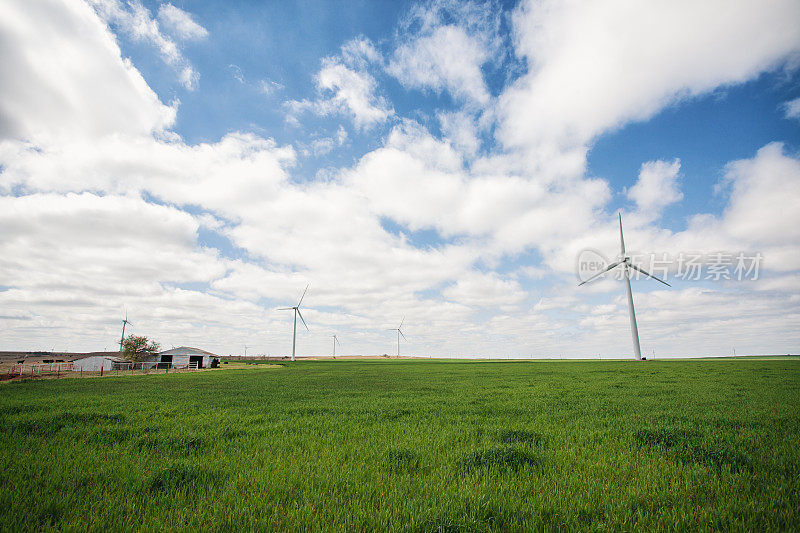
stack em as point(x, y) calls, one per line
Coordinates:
point(649, 275)
point(301, 317)
point(612, 265)
point(401, 322)
point(284, 308)
point(621, 239)
point(401, 334)
point(303, 296)
point(337, 340)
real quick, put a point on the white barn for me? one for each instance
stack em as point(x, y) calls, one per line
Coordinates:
point(95, 363)
point(185, 356)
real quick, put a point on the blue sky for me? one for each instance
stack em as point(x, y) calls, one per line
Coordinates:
point(444, 161)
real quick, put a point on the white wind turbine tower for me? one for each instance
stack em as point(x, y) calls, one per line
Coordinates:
point(399, 333)
point(335, 342)
point(296, 312)
point(627, 265)
point(125, 322)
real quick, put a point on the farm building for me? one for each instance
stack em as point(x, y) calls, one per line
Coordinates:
point(185, 356)
point(97, 362)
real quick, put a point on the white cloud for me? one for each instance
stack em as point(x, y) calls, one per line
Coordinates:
point(353, 91)
point(180, 23)
point(594, 66)
point(359, 53)
point(421, 182)
point(440, 55)
point(460, 129)
point(792, 108)
point(447, 59)
point(139, 243)
point(224, 176)
point(87, 89)
point(656, 188)
point(346, 87)
point(346, 91)
point(477, 289)
point(764, 205)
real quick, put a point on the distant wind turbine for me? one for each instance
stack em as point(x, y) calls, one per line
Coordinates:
point(125, 322)
point(627, 265)
point(296, 312)
point(335, 342)
point(399, 333)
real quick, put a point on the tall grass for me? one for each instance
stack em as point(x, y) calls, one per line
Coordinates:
point(408, 445)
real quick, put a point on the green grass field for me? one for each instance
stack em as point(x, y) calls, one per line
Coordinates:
point(409, 445)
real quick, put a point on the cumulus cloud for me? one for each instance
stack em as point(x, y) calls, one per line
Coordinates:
point(596, 66)
point(87, 89)
point(477, 289)
point(140, 243)
point(447, 59)
point(460, 129)
point(422, 182)
point(353, 91)
point(346, 87)
point(439, 55)
point(225, 176)
point(761, 187)
point(656, 188)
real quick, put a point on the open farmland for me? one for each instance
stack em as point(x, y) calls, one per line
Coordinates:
point(409, 445)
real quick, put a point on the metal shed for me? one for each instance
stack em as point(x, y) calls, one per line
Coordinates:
point(185, 357)
point(95, 363)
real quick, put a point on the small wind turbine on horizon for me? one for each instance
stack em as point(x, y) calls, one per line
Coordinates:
point(296, 312)
point(399, 333)
point(627, 264)
point(125, 322)
point(335, 342)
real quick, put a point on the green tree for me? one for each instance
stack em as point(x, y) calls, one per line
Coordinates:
point(136, 348)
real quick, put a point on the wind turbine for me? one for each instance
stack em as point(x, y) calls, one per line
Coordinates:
point(125, 322)
point(335, 342)
point(626, 263)
point(399, 332)
point(296, 312)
